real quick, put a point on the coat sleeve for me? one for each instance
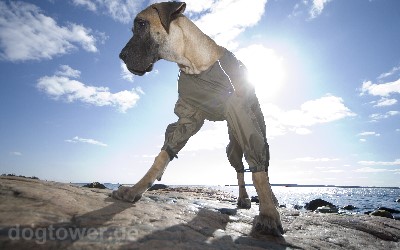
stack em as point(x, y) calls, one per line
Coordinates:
point(190, 120)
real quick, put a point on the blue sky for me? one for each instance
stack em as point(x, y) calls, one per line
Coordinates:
point(327, 73)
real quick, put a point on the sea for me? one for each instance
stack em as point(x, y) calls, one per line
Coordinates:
point(365, 199)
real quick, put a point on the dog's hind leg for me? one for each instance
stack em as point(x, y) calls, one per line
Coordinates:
point(243, 199)
point(243, 122)
point(235, 155)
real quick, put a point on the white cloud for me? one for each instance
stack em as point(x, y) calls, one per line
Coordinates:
point(378, 170)
point(120, 10)
point(15, 153)
point(380, 163)
point(66, 70)
point(149, 156)
point(317, 7)
point(63, 87)
point(278, 122)
point(370, 170)
point(213, 136)
point(326, 109)
point(383, 102)
point(196, 6)
point(390, 73)
point(125, 73)
point(207, 15)
point(296, 10)
point(240, 13)
point(334, 171)
point(139, 90)
point(89, 4)
point(77, 139)
point(27, 34)
point(375, 117)
point(383, 89)
point(302, 131)
point(369, 134)
point(313, 159)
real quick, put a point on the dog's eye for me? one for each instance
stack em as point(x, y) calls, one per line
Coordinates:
point(139, 23)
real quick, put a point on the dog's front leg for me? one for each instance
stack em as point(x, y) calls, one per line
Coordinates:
point(268, 222)
point(133, 194)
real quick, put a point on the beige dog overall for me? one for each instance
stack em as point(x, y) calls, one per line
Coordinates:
point(212, 85)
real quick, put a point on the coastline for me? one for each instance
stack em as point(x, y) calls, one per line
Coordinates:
point(251, 185)
point(182, 218)
point(347, 199)
point(304, 185)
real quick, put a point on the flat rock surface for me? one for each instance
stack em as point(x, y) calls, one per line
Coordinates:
point(49, 215)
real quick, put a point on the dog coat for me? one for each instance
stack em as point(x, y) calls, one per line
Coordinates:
point(222, 92)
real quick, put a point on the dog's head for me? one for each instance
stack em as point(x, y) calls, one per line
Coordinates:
point(150, 31)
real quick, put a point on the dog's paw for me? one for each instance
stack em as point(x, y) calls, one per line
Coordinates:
point(266, 225)
point(244, 203)
point(130, 194)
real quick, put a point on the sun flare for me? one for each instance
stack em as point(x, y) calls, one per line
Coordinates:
point(265, 70)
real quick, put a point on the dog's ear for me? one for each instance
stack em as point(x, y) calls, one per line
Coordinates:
point(168, 11)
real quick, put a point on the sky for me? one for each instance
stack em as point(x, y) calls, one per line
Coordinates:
point(327, 74)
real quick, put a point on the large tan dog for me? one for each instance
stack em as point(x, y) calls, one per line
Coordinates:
point(161, 31)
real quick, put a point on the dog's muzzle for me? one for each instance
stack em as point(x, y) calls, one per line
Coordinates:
point(123, 56)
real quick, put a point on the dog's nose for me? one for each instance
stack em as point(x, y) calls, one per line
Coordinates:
point(123, 55)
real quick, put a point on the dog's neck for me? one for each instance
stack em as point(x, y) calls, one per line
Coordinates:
point(198, 51)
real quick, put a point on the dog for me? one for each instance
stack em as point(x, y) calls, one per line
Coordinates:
point(212, 85)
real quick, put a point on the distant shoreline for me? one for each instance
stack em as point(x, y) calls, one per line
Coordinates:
point(248, 185)
point(300, 185)
point(226, 185)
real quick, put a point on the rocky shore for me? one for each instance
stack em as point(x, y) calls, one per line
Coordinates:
point(38, 214)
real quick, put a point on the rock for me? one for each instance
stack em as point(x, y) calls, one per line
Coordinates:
point(95, 185)
point(349, 207)
point(390, 210)
point(255, 199)
point(314, 204)
point(398, 200)
point(21, 176)
point(326, 209)
point(297, 207)
point(51, 215)
point(382, 213)
point(228, 211)
point(157, 187)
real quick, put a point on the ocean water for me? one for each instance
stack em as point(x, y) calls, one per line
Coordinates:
point(365, 199)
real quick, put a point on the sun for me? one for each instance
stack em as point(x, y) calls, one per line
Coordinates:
point(265, 70)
